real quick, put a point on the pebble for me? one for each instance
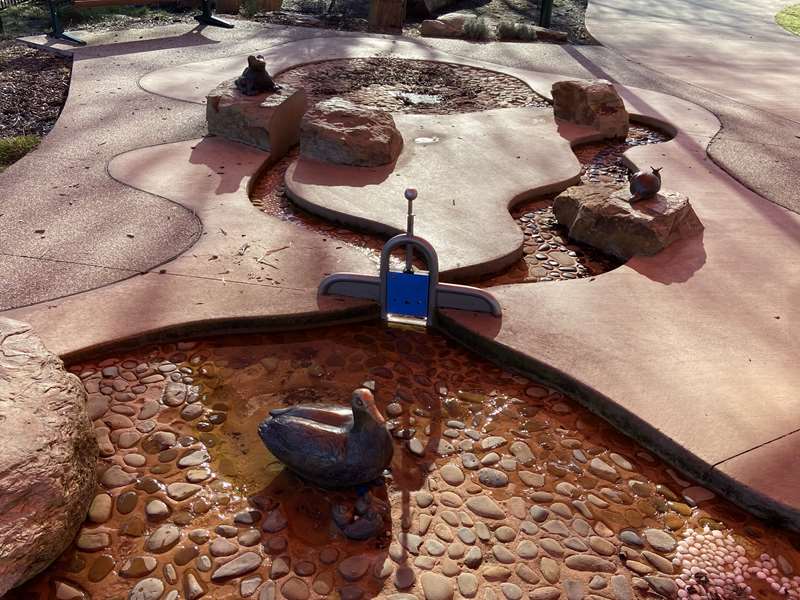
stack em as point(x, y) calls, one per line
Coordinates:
point(598, 583)
point(556, 528)
point(495, 573)
point(297, 589)
point(436, 587)
point(92, 541)
point(162, 539)
point(550, 569)
point(505, 533)
point(138, 566)
point(240, 565)
point(474, 558)
point(660, 540)
point(193, 459)
point(134, 460)
point(191, 587)
point(222, 547)
point(354, 567)
point(274, 522)
point(492, 477)
point(531, 479)
point(182, 491)
point(659, 562)
point(589, 562)
point(466, 535)
point(526, 574)
point(156, 509)
point(522, 452)
point(526, 549)
point(621, 588)
point(470, 461)
point(115, 477)
point(630, 537)
point(416, 447)
point(484, 506)
point(662, 585)
point(100, 508)
point(249, 586)
point(404, 578)
point(490, 459)
point(450, 499)
point(574, 589)
point(467, 585)
point(147, 589)
point(603, 470)
point(511, 591)
point(452, 474)
point(545, 593)
point(502, 554)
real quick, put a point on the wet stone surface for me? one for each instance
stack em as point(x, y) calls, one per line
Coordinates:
point(583, 513)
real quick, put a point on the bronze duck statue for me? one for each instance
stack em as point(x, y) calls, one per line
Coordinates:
point(331, 446)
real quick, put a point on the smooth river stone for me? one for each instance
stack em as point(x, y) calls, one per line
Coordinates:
point(163, 538)
point(589, 562)
point(603, 470)
point(92, 541)
point(138, 566)
point(505, 534)
point(436, 587)
point(550, 569)
point(181, 491)
point(484, 506)
point(467, 585)
point(452, 474)
point(194, 459)
point(526, 549)
point(492, 477)
point(115, 477)
point(522, 452)
point(100, 508)
point(295, 589)
point(492, 442)
point(470, 461)
point(531, 479)
point(660, 540)
point(659, 562)
point(147, 589)
point(354, 567)
point(242, 564)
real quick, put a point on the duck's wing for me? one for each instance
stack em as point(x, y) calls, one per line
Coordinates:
point(303, 444)
point(327, 414)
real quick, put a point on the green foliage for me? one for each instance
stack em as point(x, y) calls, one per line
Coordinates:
point(249, 8)
point(789, 19)
point(508, 30)
point(14, 148)
point(476, 29)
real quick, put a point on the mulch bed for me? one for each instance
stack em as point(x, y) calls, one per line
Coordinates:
point(33, 89)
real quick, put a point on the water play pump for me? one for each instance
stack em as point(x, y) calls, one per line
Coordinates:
point(409, 296)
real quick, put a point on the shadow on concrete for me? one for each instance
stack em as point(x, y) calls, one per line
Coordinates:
point(675, 264)
point(194, 37)
point(206, 152)
point(312, 172)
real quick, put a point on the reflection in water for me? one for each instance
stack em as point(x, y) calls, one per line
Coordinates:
point(499, 485)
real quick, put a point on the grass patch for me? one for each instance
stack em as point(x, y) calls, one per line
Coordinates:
point(509, 30)
point(476, 29)
point(789, 19)
point(14, 148)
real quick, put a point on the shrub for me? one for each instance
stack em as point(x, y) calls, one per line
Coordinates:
point(14, 148)
point(508, 30)
point(476, 29)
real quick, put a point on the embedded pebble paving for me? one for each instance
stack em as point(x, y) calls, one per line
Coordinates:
point(533, 497)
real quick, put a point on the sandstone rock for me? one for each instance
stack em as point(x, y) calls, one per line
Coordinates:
point(441, 28)
point(48, 455)
point(594, 103)
point(337, 131)
point(269, 121)
point(602, 216)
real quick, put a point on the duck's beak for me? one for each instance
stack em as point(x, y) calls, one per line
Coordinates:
point(369, 404)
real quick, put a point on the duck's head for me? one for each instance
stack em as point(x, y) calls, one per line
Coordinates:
point(363, 402)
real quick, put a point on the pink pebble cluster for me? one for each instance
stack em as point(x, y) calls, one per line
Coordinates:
point(715, 566)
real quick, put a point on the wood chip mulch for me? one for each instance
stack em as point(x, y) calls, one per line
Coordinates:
point(33, 89)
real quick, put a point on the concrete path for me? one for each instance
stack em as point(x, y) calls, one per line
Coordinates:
point(669, 348)
point(732, 47)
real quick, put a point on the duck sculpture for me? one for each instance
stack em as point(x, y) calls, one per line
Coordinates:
point(644, 185)
point(331, 446)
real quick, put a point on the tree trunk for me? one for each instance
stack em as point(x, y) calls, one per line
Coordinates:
point(387, 16)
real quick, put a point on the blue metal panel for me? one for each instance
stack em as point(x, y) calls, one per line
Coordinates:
point(407, 294)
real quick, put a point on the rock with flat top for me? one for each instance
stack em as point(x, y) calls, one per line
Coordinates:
point(339, 132)
point(602, 216)
point(593, 103)
point(270, 121)
point(48, 455)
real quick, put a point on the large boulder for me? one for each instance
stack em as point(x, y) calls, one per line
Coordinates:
point(270, 121)
point(339, 132)
point(48, 455)
point(594, 103)
point(602, 216)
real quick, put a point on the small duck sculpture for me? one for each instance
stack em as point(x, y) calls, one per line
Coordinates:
point(331, 446)
point(644, 185)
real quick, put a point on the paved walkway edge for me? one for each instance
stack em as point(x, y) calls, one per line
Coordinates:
point(752, 500)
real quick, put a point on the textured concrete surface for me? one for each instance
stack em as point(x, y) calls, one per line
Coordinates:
point(452, 161)
point(730, 57)
point(669, 348)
